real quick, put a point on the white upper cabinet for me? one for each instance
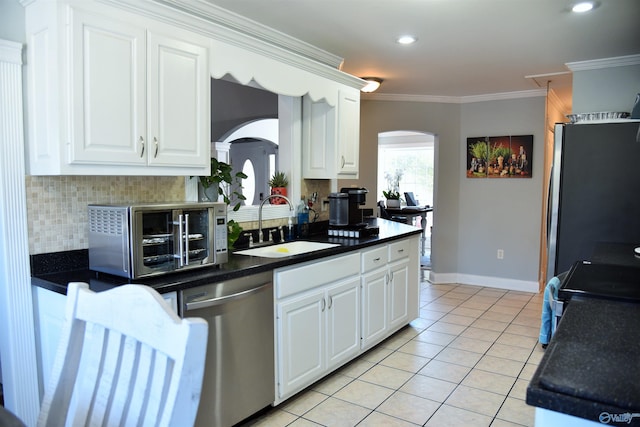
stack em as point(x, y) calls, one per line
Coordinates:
point(116, 94)
point(121, 87)
point(331, 136)
point(348, 133)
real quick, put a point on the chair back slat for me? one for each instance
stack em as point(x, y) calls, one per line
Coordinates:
point(160, 381)
point(88, 380)
point(122, 388)
point(109, 371)
point(140, 385)
point(125, 359)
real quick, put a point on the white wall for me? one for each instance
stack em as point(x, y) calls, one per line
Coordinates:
point(471, 217)
point(606, 89)
point(12, 21)
point(443, 120)
point(501, 213)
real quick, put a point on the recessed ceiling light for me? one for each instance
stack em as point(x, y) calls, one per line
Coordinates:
point(406, 39)
point(584, 6)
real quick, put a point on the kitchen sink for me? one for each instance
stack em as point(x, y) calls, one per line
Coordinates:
point(286, 249)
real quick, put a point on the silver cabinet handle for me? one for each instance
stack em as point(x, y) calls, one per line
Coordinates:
point(330, 301)
point(376, 259)
point(222, 300)
point(142, 145)
point(342, 161)
point(324, 304)
point(155, 141)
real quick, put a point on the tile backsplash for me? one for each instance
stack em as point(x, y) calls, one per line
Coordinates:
point(57, 205)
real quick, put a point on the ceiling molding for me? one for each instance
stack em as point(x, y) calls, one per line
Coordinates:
point(455, 99)
point(596, 64)
point(220, 24)
point(10, 52)
point(245, 25)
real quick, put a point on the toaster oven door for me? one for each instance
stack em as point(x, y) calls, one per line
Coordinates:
point(172, 239)
point(155, 242)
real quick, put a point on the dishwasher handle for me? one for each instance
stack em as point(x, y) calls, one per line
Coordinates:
point(211, 302)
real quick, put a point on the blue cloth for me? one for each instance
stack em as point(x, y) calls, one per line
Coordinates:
point(548, 310)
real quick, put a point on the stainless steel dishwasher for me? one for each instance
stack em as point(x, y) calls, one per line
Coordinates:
point(239, 375)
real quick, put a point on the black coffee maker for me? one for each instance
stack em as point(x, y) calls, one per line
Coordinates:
point(345, 207)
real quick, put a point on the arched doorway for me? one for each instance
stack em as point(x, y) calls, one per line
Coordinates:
point(411, 154)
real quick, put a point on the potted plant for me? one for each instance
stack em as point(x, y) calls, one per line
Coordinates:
point(278, 184)
point(223, 182)
point(392, 193)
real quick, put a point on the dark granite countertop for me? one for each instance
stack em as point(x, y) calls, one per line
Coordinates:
point(48, 273)
point(591, 368)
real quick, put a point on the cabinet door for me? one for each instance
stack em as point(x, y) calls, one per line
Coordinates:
point(300, 335)
point(348, 133)
point(178, 111)
point(374, 307)
point(398, 294)
point(343, 320)
point(107, 80)
point(318, 139)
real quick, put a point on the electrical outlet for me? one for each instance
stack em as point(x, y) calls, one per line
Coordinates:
point(324, 205)
point(500, 254)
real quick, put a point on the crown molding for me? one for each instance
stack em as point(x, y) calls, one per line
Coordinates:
point(10, 52)
point(454, 99)
point(596, 64)
point(212, 21)
point(231, 20)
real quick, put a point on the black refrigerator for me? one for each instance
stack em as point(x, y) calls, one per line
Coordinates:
point(594, 191)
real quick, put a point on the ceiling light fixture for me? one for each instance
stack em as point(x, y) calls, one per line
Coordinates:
point(373, 83)
point(406, 39)
point(584, 6)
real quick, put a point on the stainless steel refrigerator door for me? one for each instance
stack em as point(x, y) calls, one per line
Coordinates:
point(595, 190)
point(554, 201)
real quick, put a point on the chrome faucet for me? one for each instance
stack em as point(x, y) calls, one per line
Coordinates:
point(260, 237)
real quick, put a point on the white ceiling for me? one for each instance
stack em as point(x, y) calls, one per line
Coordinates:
point(465, 48)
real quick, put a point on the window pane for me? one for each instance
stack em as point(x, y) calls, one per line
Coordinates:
point(416, 165)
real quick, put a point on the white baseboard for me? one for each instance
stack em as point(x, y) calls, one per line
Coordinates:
point(487, 281)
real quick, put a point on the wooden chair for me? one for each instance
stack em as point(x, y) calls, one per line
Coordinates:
point(125, 358)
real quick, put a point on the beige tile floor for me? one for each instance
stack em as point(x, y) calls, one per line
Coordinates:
point(465, 362)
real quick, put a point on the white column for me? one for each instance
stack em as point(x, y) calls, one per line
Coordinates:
point(17, 337)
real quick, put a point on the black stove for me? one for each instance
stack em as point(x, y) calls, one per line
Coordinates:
point(609, 281)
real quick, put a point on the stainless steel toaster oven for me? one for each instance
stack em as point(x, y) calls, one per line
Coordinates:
point(150, 239)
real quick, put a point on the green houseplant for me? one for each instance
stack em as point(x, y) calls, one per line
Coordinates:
point(278, 184)
point(223, 182)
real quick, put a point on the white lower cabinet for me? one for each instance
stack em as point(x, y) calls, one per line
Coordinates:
point(390, 293)
point(317, 321)
point(330, 311)
point(319, 331)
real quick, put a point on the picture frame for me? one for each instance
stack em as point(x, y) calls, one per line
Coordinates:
point(500, 157)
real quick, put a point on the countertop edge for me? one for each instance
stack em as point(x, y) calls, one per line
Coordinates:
point(237, 266)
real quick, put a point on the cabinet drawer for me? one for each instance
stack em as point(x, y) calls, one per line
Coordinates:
point(315, 273)
point(374, 258)
point(401, 249)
